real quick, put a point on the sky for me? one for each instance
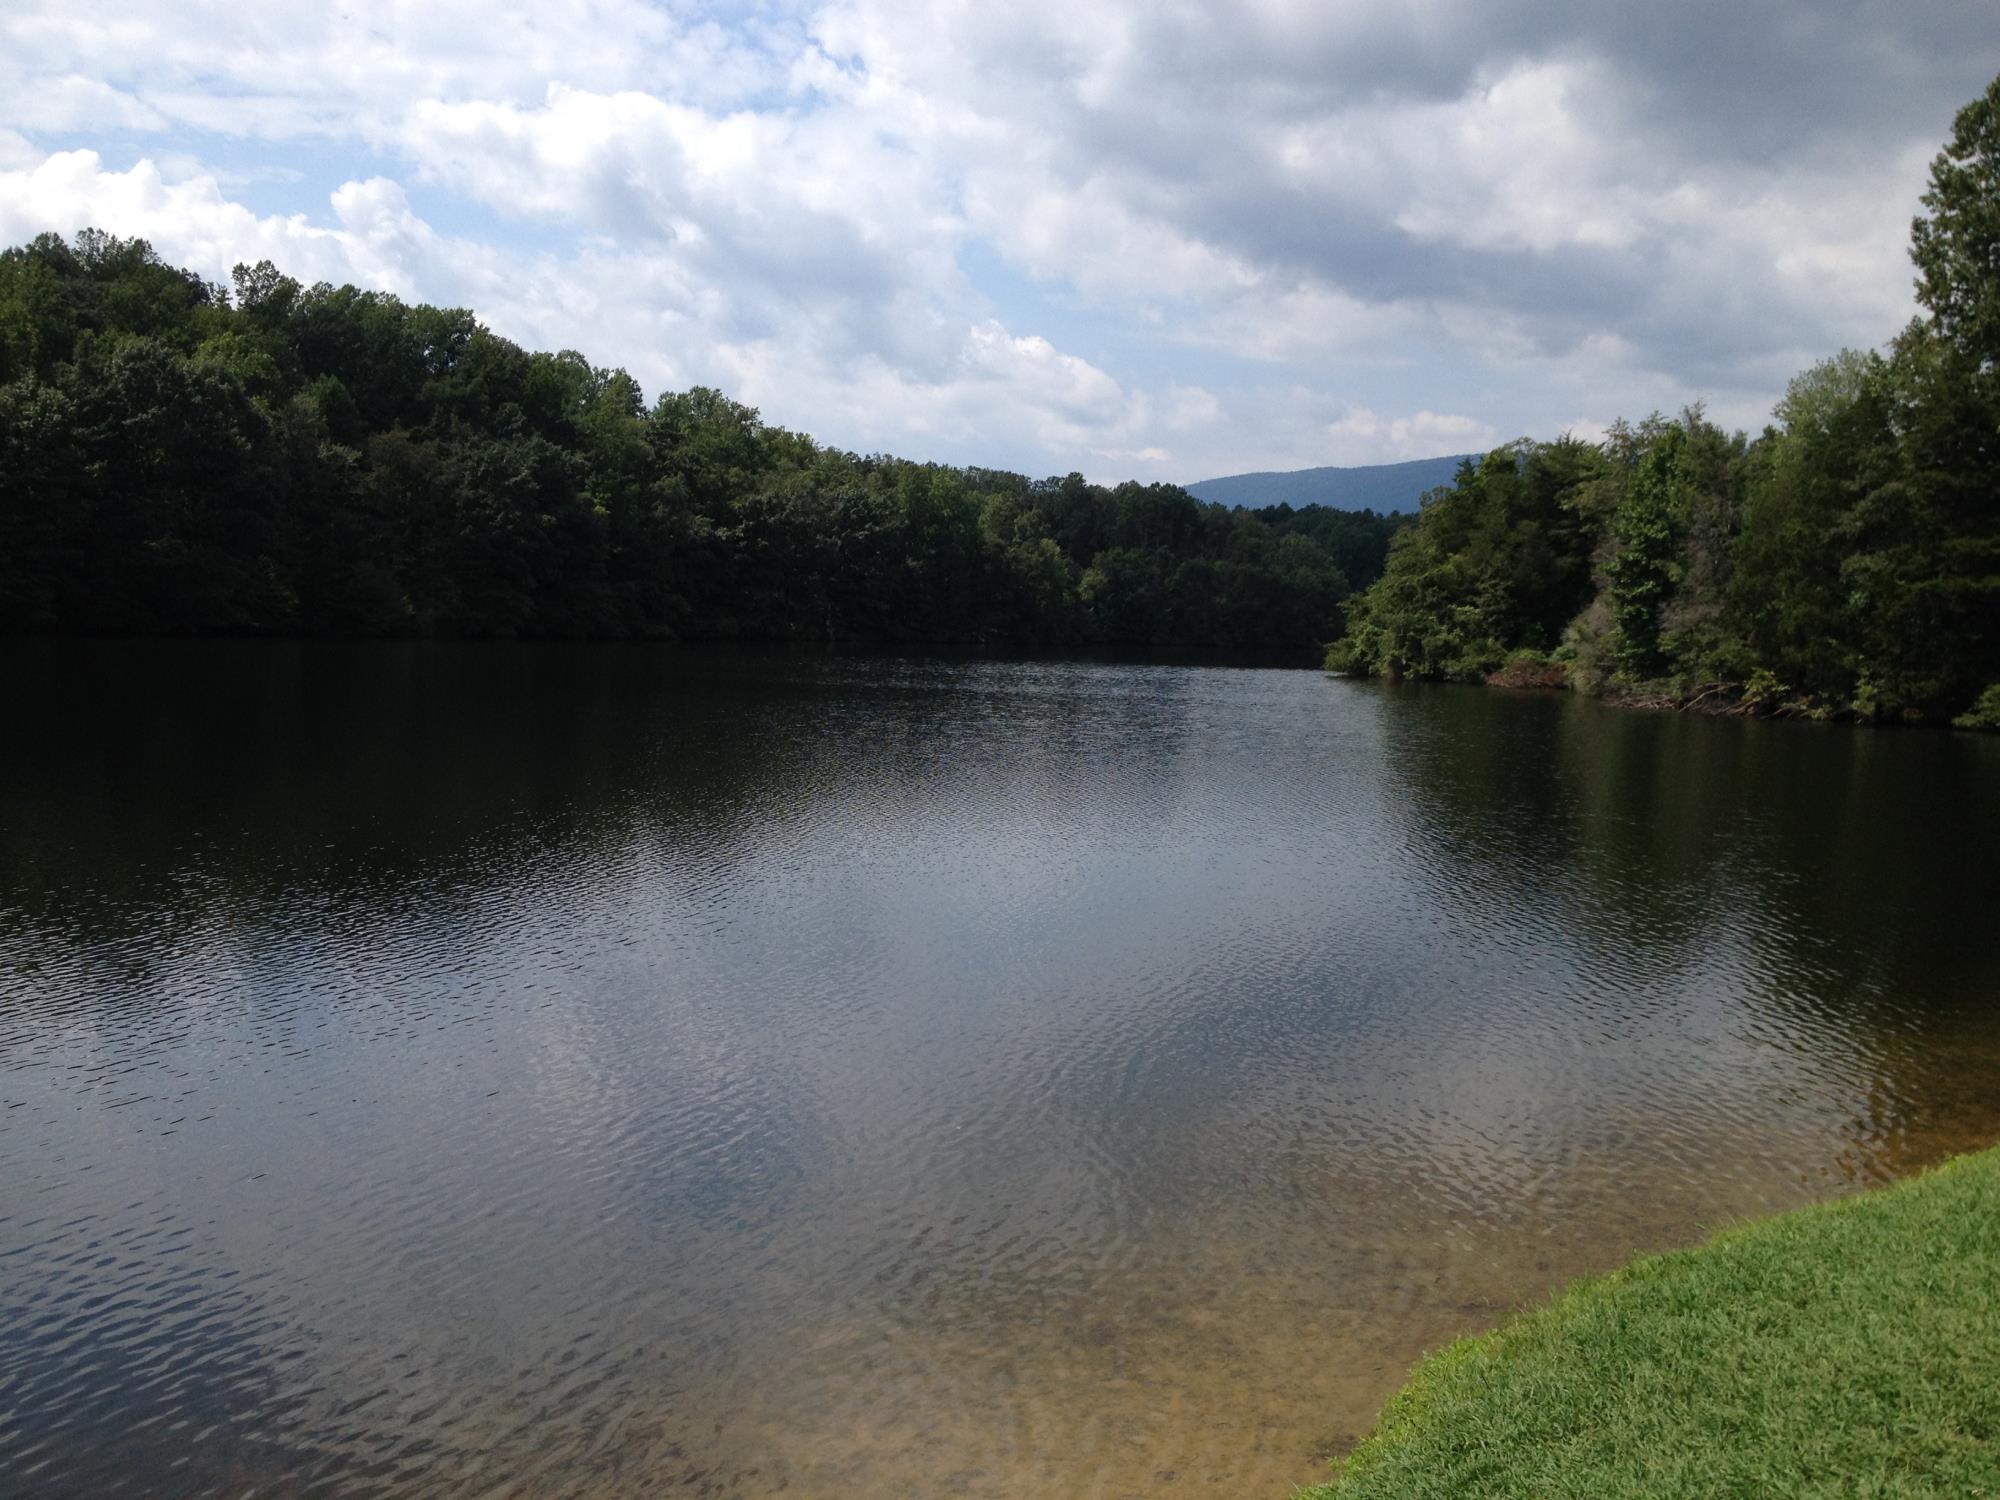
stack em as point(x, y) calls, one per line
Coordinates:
point(1160, 239)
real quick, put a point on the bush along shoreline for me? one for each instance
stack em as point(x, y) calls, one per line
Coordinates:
point(1761, 697)
point(1843, 1349)
point(1843, 564)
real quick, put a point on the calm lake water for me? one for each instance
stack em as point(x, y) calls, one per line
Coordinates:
point(617, 1070)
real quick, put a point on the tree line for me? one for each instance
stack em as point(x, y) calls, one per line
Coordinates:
point(273, 458)
point(1843, 563)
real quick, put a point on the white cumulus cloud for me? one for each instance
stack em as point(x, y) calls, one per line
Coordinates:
point(1181, 239)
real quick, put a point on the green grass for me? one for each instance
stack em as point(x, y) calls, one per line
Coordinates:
point(1851, 1349)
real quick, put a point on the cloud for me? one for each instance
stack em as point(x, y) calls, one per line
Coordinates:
point(805, 222)
point(293, 71)
point(1189, 406)
point(1365, 437)
point(73, 102)
point(987, 388)
point(190, 220)
point(1186, 238)
point(1001, 391)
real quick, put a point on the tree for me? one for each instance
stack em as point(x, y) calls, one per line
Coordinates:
point(1956, 245)
point(1926, 558)
point(1497, 562)
point(1834, 446)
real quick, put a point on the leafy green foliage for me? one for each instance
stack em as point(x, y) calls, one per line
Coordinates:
point(324, 460)
point(1845, 562)
point(1984, 713)
point(1642, 571)
point(1956, 242)
point(1500, 561)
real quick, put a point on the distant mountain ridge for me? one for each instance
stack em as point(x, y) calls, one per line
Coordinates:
point(1378, 487)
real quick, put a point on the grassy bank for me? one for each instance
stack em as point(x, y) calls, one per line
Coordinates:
point(1847, 1349)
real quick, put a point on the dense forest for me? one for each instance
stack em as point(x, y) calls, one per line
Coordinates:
point(1844, 563)
point(272, 458)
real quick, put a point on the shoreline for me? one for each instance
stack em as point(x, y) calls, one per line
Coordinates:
point(1842, 1348)
point(1712, 699)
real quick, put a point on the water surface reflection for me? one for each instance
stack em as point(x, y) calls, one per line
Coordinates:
point(606, 1070)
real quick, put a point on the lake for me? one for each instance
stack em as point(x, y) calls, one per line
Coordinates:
point(611, 1070)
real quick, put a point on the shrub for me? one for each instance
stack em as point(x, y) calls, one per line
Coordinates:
point(1984, 713)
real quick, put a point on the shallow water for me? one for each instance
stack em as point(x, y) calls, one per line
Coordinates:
point(615, 1070)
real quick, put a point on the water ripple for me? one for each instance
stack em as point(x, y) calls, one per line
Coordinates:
point(564, 1070)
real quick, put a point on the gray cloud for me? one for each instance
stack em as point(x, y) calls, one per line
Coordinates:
point(1412, 218)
